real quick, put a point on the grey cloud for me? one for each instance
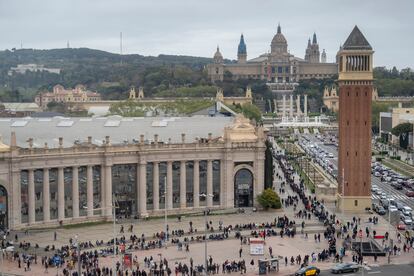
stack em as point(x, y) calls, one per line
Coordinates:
point(195, 27)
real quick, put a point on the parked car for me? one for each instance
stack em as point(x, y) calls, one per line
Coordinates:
point(345, 267)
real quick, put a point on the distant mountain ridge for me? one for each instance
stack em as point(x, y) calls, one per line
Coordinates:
point(59, 57)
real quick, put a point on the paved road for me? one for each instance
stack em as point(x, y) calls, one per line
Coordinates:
point(387, 270)
point(386, 187)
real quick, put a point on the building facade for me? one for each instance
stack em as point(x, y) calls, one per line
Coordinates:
point(42, 185)
point(355, 97)
point(62, 95)
point(277, 66)
point(23, 68)
point(389, 120)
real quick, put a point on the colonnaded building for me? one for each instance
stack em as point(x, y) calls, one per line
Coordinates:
point(68, 170)
point(278, 66)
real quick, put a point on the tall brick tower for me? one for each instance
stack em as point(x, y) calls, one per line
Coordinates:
point(355, 90)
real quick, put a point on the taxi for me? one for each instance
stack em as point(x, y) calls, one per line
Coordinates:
point(308, 271)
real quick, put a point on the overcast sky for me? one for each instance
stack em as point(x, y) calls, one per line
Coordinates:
point(195, 27)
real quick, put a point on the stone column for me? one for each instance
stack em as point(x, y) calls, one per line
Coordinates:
point(291, 107)
point(89, 191)
point(169, 186)
point(196, 183)
point(275, 103)
point(156, 186)
point(61, 194)
point(75, 191)
point(103, 190)
point(209, 183)
point(108, 190)
point(298, 110)
point(142, 189)
point(305, 106)
point(229, 171)
point(15, 197)
point(31, 197)
point(284, 106)
point(223, 188)
point(183, 185)
point(46, 195)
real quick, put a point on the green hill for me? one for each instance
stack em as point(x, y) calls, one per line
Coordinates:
point(106, 72)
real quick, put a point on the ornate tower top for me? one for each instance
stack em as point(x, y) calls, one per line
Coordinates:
point(242, 46)
point(355, 58)
point(279, 43)
point(218, 58)
point(314, 40)
point(323, 57)
point(241, 51)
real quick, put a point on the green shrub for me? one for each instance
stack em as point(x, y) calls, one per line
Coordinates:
point(269, 199)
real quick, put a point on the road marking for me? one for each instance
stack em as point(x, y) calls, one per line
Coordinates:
point(374, 272)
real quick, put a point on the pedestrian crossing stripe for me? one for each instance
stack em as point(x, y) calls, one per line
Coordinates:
point(395, 196)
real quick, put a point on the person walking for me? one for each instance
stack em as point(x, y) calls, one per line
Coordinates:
point(240, 252)
point(54, 236)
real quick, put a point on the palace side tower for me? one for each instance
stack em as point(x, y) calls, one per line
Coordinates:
point(355, 95)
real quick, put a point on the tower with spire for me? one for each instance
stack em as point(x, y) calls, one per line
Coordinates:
point(312, 51)
point(355, 95)
point(241, 51)
point(323, 56)
point(217, 69)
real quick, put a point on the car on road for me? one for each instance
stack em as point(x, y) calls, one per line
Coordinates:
point(392, 208)
point(380, 210)
point(308, 271)
point(344, 268)
point(401, 226)
point(409, 193)
point(406, 219)
point(406, 211)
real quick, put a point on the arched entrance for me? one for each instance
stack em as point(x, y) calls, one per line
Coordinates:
point(243, 188)
point(3, 208)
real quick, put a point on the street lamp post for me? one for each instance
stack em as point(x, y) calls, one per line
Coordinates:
point(205, 238)
point(165, 212)
point(389, 230)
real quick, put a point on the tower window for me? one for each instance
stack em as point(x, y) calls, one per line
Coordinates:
point(356, 202)
point(348, 94)
point(357, 94)
point(347, 123)
point(356, 153)
point(347, 153)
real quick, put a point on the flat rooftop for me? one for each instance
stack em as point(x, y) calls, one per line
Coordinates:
point(120, 129)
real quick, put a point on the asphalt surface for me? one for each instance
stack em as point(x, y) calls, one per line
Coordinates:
point(398, 195)
point(387, 270)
